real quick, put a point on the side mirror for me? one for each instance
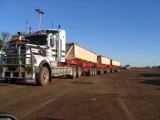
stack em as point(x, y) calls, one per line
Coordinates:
point(52, 40)
point(6, 116)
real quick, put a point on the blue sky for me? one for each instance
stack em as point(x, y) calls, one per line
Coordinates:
point(124, 30)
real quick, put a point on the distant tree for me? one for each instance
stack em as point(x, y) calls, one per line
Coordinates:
point(14, 36)
point(1, 43)
point(4, 38)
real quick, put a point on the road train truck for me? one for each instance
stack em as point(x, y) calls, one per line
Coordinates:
point(41, 55)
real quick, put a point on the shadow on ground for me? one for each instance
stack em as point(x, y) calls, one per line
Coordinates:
point(24, 83)
point(80, 82)
point(2, 85)
point(47, 118)
point(152, 82)
point(150, 75)
point(17, 82)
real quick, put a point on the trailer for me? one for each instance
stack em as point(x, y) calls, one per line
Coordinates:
point(115, 66)
point(103, 64)
point(44, 54)
point(84, 59)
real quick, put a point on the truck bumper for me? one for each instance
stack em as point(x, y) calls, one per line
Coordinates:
point(18, 73)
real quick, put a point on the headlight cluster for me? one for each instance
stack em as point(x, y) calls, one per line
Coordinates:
point(28, 60)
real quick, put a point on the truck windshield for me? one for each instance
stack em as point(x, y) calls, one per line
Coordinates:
point(37, 40)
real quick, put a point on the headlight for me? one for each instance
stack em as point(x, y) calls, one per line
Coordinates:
point(28, 60)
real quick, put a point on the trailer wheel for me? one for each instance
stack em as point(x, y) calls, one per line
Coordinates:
point(101, 71)
point(112, 70)
point(74, 73)
point(79, 72)
point(42, 78)
point(108, 70)
point(95, 71)
point(90, 72)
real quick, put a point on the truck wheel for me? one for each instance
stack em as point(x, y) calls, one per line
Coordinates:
point(95, 72)
point(79, 72)
point(111, 70)
point(74, 73)
point(42, 77)
point(108, 70)
point(90, 72)
point(101, 71)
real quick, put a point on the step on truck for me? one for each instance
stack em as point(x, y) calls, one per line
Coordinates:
point(43, 54)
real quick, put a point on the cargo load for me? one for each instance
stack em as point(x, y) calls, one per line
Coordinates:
point(103, 60)
point(115, 63)
point(74, 51)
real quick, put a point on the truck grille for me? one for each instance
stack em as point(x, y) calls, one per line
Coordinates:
point(14, 63)
point(14, 56)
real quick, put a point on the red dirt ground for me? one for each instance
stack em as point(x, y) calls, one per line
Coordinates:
point(128, 95)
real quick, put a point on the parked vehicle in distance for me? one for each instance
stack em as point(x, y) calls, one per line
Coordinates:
point(127, 67)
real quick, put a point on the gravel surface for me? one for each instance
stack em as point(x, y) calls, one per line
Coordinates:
point(128, 95)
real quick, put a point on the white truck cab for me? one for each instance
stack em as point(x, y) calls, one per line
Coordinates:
point(36, 56)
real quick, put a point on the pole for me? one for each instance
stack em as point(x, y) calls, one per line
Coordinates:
point(39, 27)
point(40, 13)
point(26, 26)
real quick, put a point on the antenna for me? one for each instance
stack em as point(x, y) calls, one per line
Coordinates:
point(26, 26)
point(30, 30)
point(59, 26)
point(52, 27)
point(52, 24)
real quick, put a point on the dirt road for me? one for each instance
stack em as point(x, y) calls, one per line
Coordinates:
point(128, 95)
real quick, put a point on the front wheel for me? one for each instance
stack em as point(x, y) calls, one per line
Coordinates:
point(42, 77)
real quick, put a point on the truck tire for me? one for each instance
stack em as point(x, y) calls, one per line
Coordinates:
point(108, 70)
point(74, 73)
point(112, 70)
point(42, 78)
point(90, 72)
point(101, 71)
point(95, 71)
point(79, 72)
